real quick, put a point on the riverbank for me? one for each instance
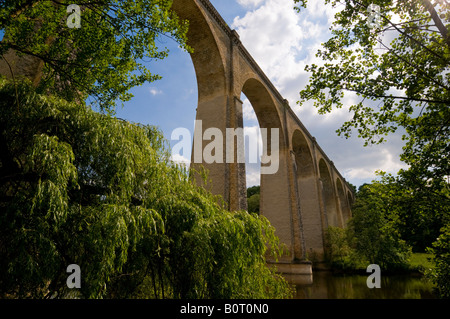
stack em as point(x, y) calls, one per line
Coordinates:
point(417, 265)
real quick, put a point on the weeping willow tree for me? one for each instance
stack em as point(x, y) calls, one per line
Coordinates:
point(80, 187)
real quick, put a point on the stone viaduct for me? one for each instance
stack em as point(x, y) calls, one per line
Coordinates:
point(307, 193)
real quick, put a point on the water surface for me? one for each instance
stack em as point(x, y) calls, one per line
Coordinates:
point(326, 285)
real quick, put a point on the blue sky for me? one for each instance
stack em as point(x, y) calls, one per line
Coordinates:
point(282, 43)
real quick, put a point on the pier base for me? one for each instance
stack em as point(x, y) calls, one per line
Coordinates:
point(298, 273)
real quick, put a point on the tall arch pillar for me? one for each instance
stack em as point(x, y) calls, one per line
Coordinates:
point(277, 202)
point(309, 197)
point(328, 195)
point(218, 109)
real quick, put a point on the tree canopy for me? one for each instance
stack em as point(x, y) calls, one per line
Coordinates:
point(389, 220)
point(253, 199)
point(104, 57)
point(85, 188)
point(399, 70)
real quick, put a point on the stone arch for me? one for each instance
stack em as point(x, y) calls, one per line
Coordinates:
point(207, 58)
point(350, 201)
point(343, 201)
point(275, 203)
point(224, 69)
point(307, 192)
point(303, 158)
point(210, 71)
point(328, 194)
point(264, 107)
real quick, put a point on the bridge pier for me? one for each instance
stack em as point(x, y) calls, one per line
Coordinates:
point(297, 273)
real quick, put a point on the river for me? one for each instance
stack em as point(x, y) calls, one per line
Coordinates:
point(326, 285)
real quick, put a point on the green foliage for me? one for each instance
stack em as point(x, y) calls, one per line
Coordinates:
point(421, 262)
point(253, 203)
point(253, 199)
point(414, 62)
point(373, 232)
point(338, 251)
point(417, 213)
point(101, 59)
point(403, 83)
point(440, 274)
point(79, 187)
point(398, 71)
point(253, 191)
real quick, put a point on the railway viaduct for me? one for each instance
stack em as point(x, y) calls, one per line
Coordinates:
point(306, 193)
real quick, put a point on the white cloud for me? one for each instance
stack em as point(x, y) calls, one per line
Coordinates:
point(253, 175)
point(272, 35)
point(179, 159)
point(154, 91)
point(381, 159)
point(249, 3)
point(283, 42)
point(358, 164)
point(249, 114)
point(390, 164)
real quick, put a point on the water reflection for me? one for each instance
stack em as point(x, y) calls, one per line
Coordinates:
point(326, 285)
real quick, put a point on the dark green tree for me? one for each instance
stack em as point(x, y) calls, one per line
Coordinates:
point(253, 199)
point(373, 231)
point(79, 187)
point(440, 274)
point(253, 203)
point(398, 68)
point(253, 190)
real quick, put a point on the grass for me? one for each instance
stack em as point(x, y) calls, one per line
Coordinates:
point(420, 261)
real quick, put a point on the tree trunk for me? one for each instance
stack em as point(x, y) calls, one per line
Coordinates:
point(434, 15)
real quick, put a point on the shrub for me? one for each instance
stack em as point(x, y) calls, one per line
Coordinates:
point(338, 251)
point(440, 274)
point(373, 234)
